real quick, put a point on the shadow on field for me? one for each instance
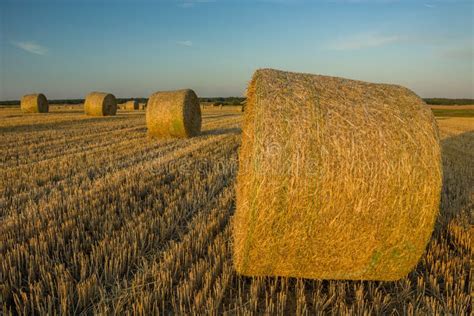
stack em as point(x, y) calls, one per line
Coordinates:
point(66, 112)
point(13, 115)
point(458, 178)
point(37, 127)
point(222, 131)
point(131, 112)
point(213, 115)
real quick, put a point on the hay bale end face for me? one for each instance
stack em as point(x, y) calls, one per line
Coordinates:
point(34, 103)
point(132, 105)
point(338, 179)
point(173, 114)
point(100, 104)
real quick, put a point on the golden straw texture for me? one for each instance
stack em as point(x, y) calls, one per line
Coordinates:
point(132, 105)
point(100, 104)
point(173, 114)
point(34, 103)
point(338, 179)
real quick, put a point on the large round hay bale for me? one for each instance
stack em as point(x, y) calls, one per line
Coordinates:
point(338, 179)
point(34, 103)
point(173, 114)
point(132, 105)
point(100, 104)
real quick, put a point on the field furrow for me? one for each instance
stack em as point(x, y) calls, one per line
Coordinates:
point(81, 167)
point(60, 205)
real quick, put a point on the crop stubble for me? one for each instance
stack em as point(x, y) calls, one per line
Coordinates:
point(121, 224)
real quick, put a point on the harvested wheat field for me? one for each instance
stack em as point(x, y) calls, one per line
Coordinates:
point(95, 218)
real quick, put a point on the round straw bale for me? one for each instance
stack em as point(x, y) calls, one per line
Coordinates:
point(100, 104)
point(173, 114)
point(132, 105)
point(338, 179)
point(34, 103)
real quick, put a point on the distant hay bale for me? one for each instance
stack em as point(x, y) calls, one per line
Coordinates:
point(132, 105)
point(100, 104)
point(34, 103)
point(338, 179)
point(142, 106)
point(173, 114)
point(243, 103)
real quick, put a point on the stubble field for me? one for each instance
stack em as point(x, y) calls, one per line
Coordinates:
point(97, 218)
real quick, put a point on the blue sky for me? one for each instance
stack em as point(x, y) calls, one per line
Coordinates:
point(68, 48)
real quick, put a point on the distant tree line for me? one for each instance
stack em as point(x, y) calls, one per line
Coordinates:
point(235, 101)
point(214, 100)
point(445, 101)
point(223, 101)
point(74, 101)
point(140, 100)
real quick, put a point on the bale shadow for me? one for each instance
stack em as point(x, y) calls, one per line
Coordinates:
point(142, 130)
point(13, 115)
point(222, 131)
point(458, 178)
point(131, 113)
point(66, 112)
point(213, 115)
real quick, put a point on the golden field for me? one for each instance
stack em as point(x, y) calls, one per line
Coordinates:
point(95, 218)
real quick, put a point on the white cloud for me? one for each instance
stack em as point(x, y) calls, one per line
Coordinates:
point(31, 47)
point(186, 4)
point(430, 6)
point(362, 1)
point(364, 40)
point(185, 43)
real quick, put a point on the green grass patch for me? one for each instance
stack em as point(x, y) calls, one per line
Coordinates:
point(453, 113)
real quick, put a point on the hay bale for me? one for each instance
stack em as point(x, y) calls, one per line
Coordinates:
point(338, 179)
point(173, 114)
point(142, 106)
point(132, 105)
point(34, 103)
point(100, 104)
point(243, 103)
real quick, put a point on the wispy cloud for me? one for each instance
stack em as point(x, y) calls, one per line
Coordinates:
point(364, 40)
point(185, 43)
point(31, 47)
point(362, 1)
point(186, 4)
point(284, 2)
point(430, 6)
